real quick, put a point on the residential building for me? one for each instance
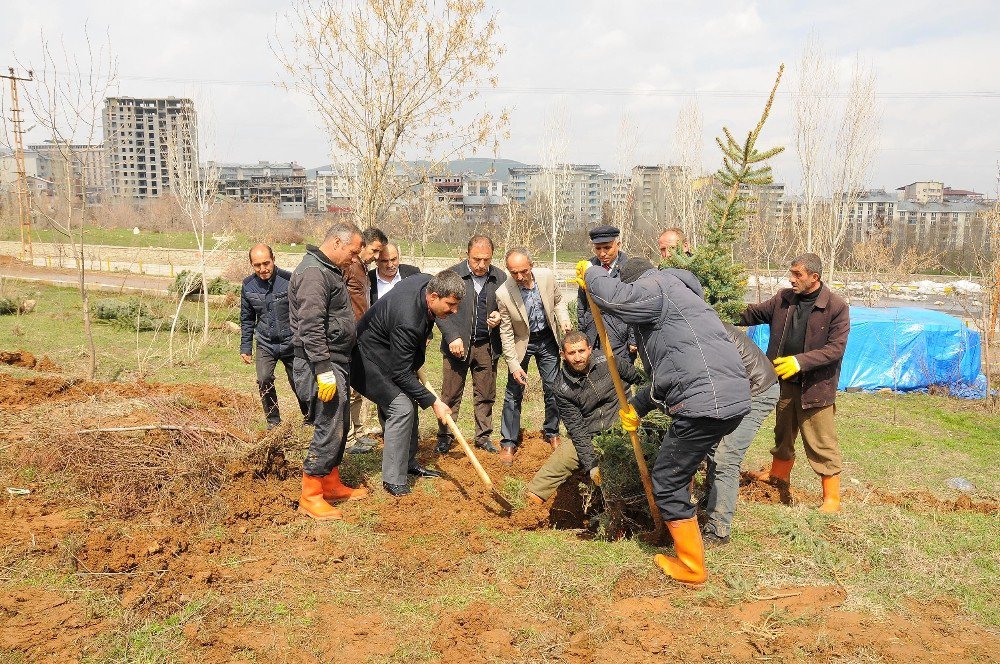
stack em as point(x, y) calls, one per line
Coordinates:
point(336, 188)
point(45, 165)
point(281, 185)
point(579, 188)
point(139, 135)
point(922, 192)
point(483, 199)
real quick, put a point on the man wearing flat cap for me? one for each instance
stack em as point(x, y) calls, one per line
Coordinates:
point(609, 255)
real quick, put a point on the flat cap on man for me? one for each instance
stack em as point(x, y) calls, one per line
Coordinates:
point(604, 233)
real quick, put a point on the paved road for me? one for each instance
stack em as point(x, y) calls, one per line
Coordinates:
point(110, 281)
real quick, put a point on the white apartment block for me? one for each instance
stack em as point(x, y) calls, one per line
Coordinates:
point(138, 135)
point(45, 165)
point(581, 189)
point(336, 188)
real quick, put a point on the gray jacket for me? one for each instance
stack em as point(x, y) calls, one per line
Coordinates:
point(320, 313)
point(760, 371)
point(696, 370)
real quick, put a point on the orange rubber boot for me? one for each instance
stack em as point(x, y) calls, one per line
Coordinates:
point(311, 502)
point(335, 491)
point(781, 470)
point(533, 499)
point(831, 494)
point(689, 565)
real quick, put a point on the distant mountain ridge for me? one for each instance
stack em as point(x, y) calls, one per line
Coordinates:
point(481, 165)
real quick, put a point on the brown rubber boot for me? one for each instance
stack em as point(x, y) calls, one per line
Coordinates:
point(689, 565)
point(533, 499)
point(781, 470)
point(311, 502)
point(335, 491)
point(831, 494)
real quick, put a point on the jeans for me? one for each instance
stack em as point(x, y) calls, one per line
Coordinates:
point(685, 445)
point(332, 418)
point(400, 423)
point(724, 462)
point(545, 349)
point(265, 363)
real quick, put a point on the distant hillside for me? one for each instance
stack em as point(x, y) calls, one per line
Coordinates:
point(482, 165)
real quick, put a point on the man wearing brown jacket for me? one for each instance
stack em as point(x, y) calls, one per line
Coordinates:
point(359, 438)
point(809, 328)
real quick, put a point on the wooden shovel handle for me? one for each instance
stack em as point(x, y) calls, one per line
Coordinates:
point(464, 444)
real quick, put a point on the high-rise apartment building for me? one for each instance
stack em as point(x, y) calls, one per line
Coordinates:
point(138, 137)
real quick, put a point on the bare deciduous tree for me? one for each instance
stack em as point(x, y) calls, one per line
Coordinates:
point(555, 184)
point(390, 77)
point(681, 189)
point(621, 199)
point(66, 100)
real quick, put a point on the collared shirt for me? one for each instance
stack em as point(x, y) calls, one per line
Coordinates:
point(478, 282)
point(382, 286)
point(533, 307)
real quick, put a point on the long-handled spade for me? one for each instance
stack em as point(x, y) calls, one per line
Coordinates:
point(464, 444)
point(658, 528)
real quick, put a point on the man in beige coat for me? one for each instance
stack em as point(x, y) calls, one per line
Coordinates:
point(531, 310)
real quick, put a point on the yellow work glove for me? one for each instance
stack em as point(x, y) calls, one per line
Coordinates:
point(327, 383)
point(581, 269)
point(630, 419)
point(595, 475)
point(786, 367)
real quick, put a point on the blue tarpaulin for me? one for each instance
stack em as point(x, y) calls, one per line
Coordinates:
point(907, 349)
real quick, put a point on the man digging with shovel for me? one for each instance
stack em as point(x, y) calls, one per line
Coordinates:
point(697, 377)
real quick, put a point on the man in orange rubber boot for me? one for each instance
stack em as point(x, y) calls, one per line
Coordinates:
point(697, 377)
point(323, 338)
point(809, 329)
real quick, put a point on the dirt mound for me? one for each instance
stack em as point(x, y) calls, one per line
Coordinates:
point(22, 393)
point(22, 358)
point(921, 500)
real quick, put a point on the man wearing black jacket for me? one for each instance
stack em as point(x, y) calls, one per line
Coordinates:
point(392, 343)
point(323, 336)
point(388, 272)
point(264, 319)
point(588, 405)
point(471, 343)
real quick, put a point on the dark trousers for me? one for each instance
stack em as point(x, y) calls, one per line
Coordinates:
point(545, 349)
point(685, 445)
point(483, 367)
point(332, 418)
point(265, 363)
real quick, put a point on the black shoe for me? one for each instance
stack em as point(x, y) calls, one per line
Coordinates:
point(396, 489)
point(273, 425)
point(420, 471)
point(711, 540)
point(443, 446)
point(488, 446)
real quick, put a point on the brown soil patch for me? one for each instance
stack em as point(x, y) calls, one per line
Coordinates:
point(22, 358)
point(278, 587)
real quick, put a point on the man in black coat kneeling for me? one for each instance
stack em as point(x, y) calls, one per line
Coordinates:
point(392, 343)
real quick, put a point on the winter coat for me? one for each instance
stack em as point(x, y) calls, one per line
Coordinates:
point(405, 271)
point(620, 335)
point(264, 314)
point(322, 321)
point(588, 403)
point(356, 280)
point(759, 368)
point(392, 344)
point(827, 329)
point(514, 325)
point(460, 325)
point(695, 368)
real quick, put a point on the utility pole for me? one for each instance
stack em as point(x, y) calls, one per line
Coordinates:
point(23, 193)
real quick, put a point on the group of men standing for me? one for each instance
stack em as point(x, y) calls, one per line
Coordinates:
point(354, 332)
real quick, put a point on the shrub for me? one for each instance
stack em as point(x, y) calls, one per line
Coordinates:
point(10, 305)
point(131, 314)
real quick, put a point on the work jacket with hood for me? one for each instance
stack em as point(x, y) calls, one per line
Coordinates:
point(694, 366)
point(620, 335)
point(320, 313)
point(588, 403)
point(460, 324)
point(827, 329)
point(264, 314)
point(392, 344)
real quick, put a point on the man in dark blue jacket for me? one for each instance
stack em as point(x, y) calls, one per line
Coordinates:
point(697, 377)
point(608, 254)
point(264, 317)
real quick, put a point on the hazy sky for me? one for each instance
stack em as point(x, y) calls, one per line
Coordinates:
point(604, 59)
